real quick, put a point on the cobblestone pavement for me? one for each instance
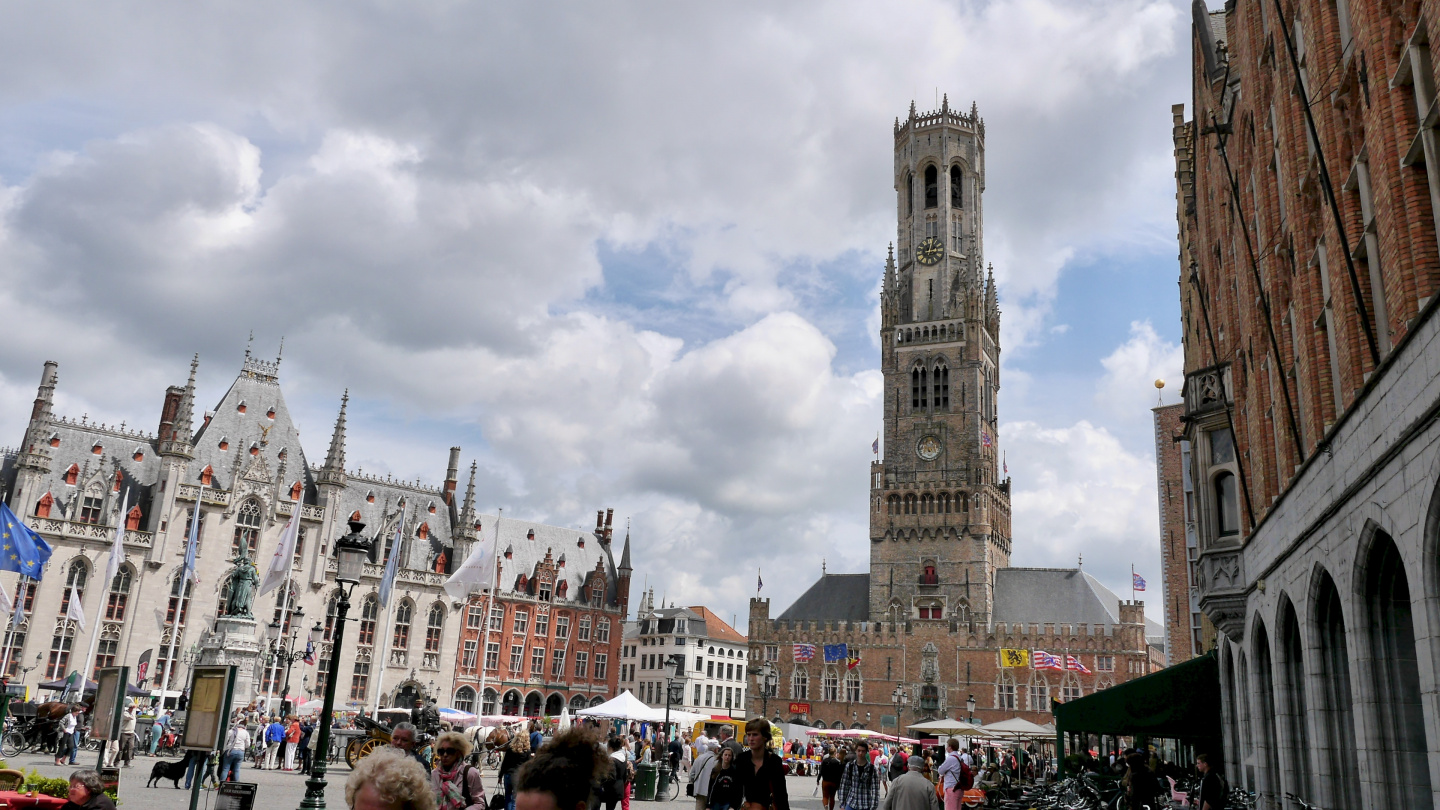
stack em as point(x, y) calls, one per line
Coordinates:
point(282, 790)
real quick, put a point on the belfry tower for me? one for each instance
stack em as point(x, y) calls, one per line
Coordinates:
point(939, 508)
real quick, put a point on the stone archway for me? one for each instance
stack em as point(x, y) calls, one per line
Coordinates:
point(406, 694)
point(554, 704)
point(532, 704)
point(511, 704)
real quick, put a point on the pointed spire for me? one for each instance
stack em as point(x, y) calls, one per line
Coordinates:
point(467, 507)
point(912, 109)
point(333, 471)
point(625, 553)
point(185, 414)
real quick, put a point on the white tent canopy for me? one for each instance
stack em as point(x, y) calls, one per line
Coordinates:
point(625, 706)
point(945, 726)
point(1016, 728)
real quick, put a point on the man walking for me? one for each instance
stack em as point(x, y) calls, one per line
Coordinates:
point(832, 770)
point(912, 791)
point(700, 772)
point(274, 734)
point(860, 786)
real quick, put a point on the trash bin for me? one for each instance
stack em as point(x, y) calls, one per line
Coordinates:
point(644, 782)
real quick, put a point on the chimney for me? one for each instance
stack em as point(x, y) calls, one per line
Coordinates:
point(609, 517)
point(173, 395)
point(600, 524)
point(452, 473)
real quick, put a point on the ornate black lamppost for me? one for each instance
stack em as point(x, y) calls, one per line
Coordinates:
point(351, 553)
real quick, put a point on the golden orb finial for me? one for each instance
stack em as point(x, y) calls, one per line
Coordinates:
point(1159, 383)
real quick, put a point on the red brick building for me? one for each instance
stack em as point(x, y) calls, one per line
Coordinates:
point(1308, 190)
point(549, 635)
point(1187, 632)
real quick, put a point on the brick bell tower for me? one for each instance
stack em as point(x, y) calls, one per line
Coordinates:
point(939, 508)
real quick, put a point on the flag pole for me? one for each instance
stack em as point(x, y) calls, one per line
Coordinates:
point(485, 622)
point(100, 608)
point(388, 641)
point(1132, 582)
point(180, 607)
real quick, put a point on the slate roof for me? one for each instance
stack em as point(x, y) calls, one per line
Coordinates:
point(258, 388)
point(527, 552)
point(1060, 595)
point(833, 597)
point(118, 448)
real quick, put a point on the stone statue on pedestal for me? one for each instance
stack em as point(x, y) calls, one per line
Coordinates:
point(242, 578)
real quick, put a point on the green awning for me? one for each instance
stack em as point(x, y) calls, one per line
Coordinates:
point(1180, 702)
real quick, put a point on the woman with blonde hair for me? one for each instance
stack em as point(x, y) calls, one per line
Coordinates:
point(388, 779)
point(457, 785)
point(517, 753)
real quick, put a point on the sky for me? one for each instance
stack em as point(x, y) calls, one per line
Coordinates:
point(625, 255)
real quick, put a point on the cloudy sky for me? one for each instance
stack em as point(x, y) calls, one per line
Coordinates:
point(624, 255)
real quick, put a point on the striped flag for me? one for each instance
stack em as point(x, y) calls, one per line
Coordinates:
point(1072, 662)
point(853, 661)
point(1044, 660)
point(804, 653)
point(1137, 582)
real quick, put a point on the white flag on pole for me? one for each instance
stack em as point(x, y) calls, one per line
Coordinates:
point(284, 555)
point(477, 572)
point(117, 548)
point(75, 611)
point(392, 564)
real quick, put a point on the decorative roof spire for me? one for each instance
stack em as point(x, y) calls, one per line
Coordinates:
point(185, 413)
point(334, 470)
point(467, 508)
point(625, 553)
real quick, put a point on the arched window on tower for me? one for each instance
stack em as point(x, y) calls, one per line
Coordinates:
point(919, 393)
point(962, 502)
point(893, 505)
point(957, 196)
point(943, 500)
point(932, 187)
point(909, 195)
point(942, 387)
point(910, 504)
point(927, 504)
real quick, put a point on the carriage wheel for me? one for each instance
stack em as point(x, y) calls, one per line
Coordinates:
point(12, 744)
point(359, 749)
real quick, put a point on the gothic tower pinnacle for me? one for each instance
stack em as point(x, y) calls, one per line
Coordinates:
point(333, 471)
point(939, 520)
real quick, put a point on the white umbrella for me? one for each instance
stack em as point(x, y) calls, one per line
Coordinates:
point(946, 726)
point(1016, 728)
point(456, 718)
point(311, 706)
point(564, 721)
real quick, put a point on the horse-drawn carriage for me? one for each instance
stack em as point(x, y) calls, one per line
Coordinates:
point(32, 727)
point(377, 735)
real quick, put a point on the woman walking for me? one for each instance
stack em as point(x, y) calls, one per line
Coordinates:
point(517, 753)
point(457, 785)
point(762, 772)
point(725, 792)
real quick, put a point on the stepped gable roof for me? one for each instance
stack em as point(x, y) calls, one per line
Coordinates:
point(527, 552)
point(1059, 595)
point(833, 597)
point(717, 628)
point(258, 388)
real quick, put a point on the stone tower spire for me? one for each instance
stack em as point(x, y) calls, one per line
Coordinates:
point(940, 358)
point(623, 573)
point(185, 414)
point(333, 472)
point(177, 429)
point(467, 507)
point(35, 455)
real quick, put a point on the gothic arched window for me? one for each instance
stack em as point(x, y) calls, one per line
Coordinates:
point(942, 386)
point(957, 196)
point(1227, 513)
point(927, 504)
point(832, 685)
point(909, 194)
point(852, 686)
point(369, 610)
point(119, 594)
point(179, 602)
point(944, 503)
point(932, 187)
point(247, 529)
point(402, 625)
point(800, 684)
point(910, 504)
point(892, 505)
point(919, 395)
point(1005, 691)
point(434, 627)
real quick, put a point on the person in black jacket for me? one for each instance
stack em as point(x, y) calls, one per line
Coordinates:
point(724, 792)
point(831, 772)
point(517, 753)
point(762, 772)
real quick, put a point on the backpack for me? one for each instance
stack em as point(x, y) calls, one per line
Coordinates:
point(898, 764)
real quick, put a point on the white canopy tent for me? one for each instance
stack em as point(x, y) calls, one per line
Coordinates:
point(1016, 728)
point(625, 706)
point(953, 728)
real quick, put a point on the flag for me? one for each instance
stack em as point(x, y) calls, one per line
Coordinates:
point(804, 653)
point(75, 611)
point(985, 438)
point(875, 447)
point(18, 617)
point(1014, 658)
point(21, 549)
point(759, 583)
point(143, 667)
point(309, 653)
point(1044, 660)
point(853, 661)
point(1137, 582)
point(476, 573)
point(193, 543)
point(392, 565)
point(117, 547)
point(1072, 662)
point(835, 652)
point(284, 558)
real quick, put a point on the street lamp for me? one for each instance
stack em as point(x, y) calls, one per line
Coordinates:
point(285, 650)
point(351, 553)
point(901, 698)
point(970, 709)
point(766, 679)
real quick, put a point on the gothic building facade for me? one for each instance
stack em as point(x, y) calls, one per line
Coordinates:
point(941, 600)
point(245, 472)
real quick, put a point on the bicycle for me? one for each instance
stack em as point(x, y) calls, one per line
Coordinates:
point(670, 790)
point(1304, 805)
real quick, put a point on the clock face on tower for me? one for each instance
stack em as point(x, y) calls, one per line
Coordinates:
point(929, 251)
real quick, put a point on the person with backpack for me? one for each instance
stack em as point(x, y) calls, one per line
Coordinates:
point(456, 783)
point(832, 770)
point(517, 753)
point(898, 764)
point(617, 786)
point(700, 773)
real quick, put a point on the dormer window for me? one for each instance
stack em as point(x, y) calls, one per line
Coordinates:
point(282, 454)
point(521, 582)
point(54, 439)
point(370, 497)
point(432, 507)
point(207, 476)
point(270, 414)
point(119, 479)
point(255, 449)
point(423, 532)
point(224, 443)
point(509, 552)
point(241, 406)
point(132, 518)
point(138, 455)
point(562, 589)
point(355, 515)
point(47, 502)
point(296, 490)
point(97, 449)
point(530, 535)
point(581, 542)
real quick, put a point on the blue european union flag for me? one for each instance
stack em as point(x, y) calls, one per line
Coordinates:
point(21, 549)
point(835, 652)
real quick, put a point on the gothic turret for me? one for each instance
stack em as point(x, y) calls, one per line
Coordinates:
point(623, 572)
point(35, 455)
point(177, 429)
point(333, 473)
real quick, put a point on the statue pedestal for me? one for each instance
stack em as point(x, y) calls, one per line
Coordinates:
point(234, 641)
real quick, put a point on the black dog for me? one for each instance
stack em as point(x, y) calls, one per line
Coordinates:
point(173, 771)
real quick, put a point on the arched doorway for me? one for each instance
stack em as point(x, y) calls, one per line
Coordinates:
point(532, 704)
point(1403, 773)
point(1337, 710)
point(577, 703)
point(596, 701)
point(511, 704)
point(554, 704)
point(406, 695)
point(488, 703)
